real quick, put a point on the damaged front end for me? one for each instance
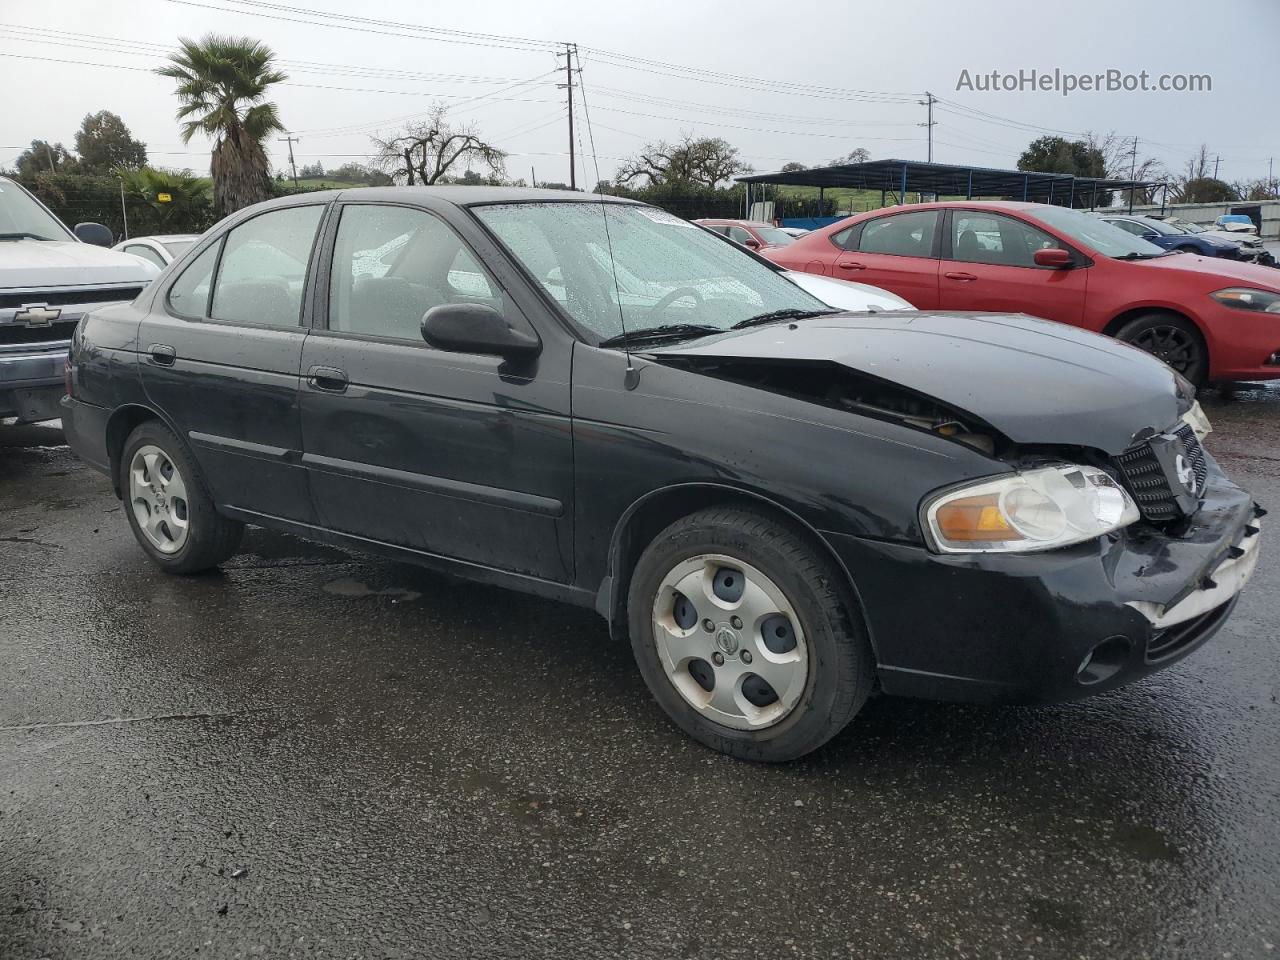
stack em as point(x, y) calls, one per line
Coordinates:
point(1011, 607)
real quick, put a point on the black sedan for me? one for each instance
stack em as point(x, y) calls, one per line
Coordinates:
point(783, 507)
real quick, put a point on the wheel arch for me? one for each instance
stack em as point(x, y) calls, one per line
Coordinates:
point(122, 422)
point(657, 509)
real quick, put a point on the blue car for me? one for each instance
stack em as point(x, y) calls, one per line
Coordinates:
point(1171, 238)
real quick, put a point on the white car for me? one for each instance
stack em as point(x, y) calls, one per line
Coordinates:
point(161, 250)
point(49, 278)
point(845, 294)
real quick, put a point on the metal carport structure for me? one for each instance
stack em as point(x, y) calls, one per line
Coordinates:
point(913, 176)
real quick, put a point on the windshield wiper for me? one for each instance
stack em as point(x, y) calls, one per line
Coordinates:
point(22, 236)
point(668, 331)
point(1142, 256)
point(790, 313)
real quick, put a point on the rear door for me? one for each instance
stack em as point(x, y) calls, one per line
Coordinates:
point(897, 252)
point(988, 264)
point(221, 350)
point(459, 455)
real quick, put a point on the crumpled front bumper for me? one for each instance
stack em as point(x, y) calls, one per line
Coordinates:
point(1058, 625)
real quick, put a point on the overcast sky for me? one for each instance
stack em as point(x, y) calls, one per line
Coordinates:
point(808, 60)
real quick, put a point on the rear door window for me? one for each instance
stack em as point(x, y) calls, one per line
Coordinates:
point(263, 269)
point(902, 235)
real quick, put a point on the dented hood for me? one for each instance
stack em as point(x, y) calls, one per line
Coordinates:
point(1035, 381)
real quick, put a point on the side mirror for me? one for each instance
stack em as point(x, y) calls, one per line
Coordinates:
point(751, 243)
point(1053, 257)
point(476, 328)
point(1150, 235)
point(94, 233)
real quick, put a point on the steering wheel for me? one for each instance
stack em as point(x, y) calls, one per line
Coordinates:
point(672, 297)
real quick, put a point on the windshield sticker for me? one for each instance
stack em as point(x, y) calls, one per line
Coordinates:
point(661, 216)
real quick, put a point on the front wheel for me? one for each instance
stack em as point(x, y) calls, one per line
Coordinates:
point(168, 506)
point(1172, 339)
point(746, 635)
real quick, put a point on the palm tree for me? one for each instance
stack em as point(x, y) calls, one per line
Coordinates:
point(222, 83)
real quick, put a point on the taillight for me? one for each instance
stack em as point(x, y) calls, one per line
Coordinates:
point(66, 375)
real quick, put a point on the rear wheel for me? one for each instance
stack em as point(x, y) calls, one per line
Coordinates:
point(168, 506)
point(1172, 339)
point(746, 636)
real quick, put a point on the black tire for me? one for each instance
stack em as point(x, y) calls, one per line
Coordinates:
point(840, 664)
point(211, 538)
point(1170, 338)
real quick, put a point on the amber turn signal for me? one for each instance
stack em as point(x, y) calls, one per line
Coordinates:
point(975, 519)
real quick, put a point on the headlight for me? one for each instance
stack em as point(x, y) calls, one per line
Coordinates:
point(1035, 510)
point(1246, 298)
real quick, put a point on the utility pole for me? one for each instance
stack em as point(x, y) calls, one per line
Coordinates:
point(533, 177)
point(124, 213)
point(291, 140)
point(1271, 180)
point(928, 101)
point(568, 87)
point(49, 156)
point(1216, 161)
point(1133, 161)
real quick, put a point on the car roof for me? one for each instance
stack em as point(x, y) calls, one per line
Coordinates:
point(462, 196)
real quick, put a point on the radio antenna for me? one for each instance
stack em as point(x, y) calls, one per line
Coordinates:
point(632, 376)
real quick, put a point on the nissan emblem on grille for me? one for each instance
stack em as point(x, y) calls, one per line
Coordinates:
point(1166, 474)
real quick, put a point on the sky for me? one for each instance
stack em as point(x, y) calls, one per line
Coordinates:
point(805, 81)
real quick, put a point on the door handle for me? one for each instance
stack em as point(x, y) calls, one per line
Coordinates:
point(330, 379)
point(851, 265)
point(162, 354)
point(962, 277)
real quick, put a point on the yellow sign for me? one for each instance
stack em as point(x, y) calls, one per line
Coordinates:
point(163, 197)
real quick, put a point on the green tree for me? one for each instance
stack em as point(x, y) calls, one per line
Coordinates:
point(44, 157)
point(1206, 190)
point(1058, 155)
point(105, 144)
point(222, 85)
point(187, 209)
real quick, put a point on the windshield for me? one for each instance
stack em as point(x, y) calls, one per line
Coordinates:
point(666, 270)
point(1093, 233)
point(22, 215)
point(177, 247)
point(1186, 226)
point(774, 236)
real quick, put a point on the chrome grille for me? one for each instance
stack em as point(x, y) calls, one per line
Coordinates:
point(64, 298)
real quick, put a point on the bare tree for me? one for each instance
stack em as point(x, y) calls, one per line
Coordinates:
point(704, 162)
point(1120, 163)
point(856, 155)
point(426, 150)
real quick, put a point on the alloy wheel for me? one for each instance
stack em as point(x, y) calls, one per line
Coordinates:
point(158, 497)
point(1173, 345)
point(730, 642)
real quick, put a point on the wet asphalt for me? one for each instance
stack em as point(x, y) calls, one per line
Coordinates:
point(318, 754)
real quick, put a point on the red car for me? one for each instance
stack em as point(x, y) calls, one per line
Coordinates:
point(1209, 319)
point(750, 233)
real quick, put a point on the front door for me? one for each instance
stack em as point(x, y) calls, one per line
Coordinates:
point(220, 360)
point(456, 455)
point(896, 253)
point(988, 265)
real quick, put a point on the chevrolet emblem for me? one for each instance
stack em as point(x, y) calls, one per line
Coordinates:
point(37, 314)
